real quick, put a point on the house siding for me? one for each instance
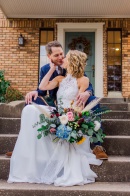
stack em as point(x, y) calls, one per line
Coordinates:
point(21, 64)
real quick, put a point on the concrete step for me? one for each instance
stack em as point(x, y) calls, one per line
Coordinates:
point(7, 142)
point(117, 145)
point(12, 109)
point(115, 169)
point(116, 126)
point(114, 100)
point(114, 145)
point(110, 126)
point(116, 106)
point(9, 125)
point(117, 115)
point(94, 189)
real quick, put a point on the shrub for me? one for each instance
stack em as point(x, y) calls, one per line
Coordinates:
point(4, 84)
point(13, 95)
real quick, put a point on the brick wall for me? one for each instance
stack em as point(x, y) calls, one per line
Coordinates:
point(21, 64)
point(126, 61)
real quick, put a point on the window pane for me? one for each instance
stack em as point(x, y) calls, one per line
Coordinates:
point(110, 37)
point(117, 49)
point(43, 60)
point(114, 78)
point(42, 50)
point(117, 37)
point(114, 50)
point(114, 72)
point(43, 37)
point(117, 61)
point(50, 36)
point(111, 49)
point(114, 60)
point(110, 61)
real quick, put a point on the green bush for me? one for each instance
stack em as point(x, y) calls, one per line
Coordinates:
point(4, 84)
point(13, 95)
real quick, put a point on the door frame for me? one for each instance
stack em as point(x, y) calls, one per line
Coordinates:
point(87, 27)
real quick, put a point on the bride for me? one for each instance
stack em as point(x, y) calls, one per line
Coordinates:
point(43, 161)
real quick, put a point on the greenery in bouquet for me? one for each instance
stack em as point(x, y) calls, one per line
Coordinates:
point(72, 124)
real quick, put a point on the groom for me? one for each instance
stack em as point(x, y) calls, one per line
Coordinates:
point(55, 53)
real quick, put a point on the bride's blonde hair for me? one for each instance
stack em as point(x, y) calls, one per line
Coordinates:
point(77, 62)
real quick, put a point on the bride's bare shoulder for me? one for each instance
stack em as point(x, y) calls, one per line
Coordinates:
point(83, 79)
point(83, 83)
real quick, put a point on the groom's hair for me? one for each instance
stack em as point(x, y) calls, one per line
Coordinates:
point(52, 44)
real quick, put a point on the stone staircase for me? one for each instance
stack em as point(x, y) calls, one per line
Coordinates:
point(113, 175)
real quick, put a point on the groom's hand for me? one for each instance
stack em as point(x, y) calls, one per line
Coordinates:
point(28, 97)
point(82, 98)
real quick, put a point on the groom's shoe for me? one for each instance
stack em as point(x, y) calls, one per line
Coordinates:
point(8, 154)
point(100, 153)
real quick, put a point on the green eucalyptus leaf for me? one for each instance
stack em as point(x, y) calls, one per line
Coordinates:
point(44, 127)
point(40, 129)
point(98, 137)
point(90, 132)
point(76, 118)
point(103, 135)
point(72, 140)
point(39, 136)
point(91, 139)
point(91, 124)
point(100, 131)
point(95, 140)
point(74, 134)
point(42, 118)
point(44, 123)
point(84, 126)
point(45, 133)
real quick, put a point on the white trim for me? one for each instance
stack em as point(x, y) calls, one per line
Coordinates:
point(10, 16)
point(87, 27)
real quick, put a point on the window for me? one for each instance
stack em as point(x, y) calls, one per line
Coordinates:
point(114, 61)
point(46, 35)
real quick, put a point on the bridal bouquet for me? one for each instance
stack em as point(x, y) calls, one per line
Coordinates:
point(71, 124)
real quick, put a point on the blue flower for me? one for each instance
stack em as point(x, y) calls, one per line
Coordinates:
point(63, 131)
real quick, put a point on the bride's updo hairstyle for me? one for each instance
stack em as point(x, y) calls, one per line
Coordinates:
point(77, 62)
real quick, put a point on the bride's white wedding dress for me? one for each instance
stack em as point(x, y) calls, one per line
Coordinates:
point(43, 161)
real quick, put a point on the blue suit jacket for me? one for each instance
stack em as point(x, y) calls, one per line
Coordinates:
point(52, 93)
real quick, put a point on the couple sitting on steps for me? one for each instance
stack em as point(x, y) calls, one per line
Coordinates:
point(55, 52)
point(30, 161)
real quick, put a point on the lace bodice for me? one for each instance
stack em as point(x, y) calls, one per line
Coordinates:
point(68, 90)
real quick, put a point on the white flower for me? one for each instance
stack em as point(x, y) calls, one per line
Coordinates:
point(97, 125)
point(63, 119)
